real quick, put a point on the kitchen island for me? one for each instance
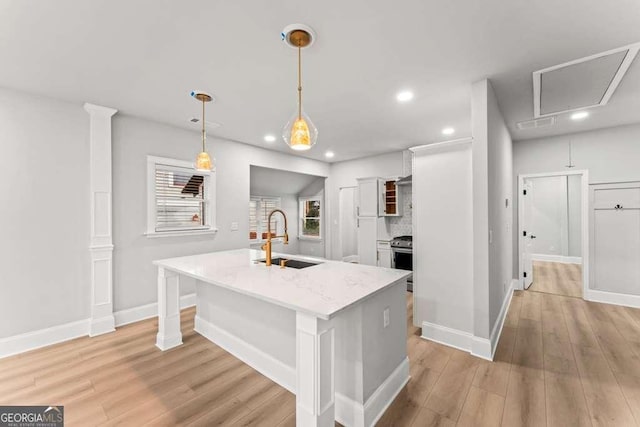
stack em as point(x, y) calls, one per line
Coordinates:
point(333, 333)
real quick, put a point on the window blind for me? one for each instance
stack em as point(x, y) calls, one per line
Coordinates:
point(180, 200)
point(259, 209)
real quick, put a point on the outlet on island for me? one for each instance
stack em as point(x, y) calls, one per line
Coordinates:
point(385, 317)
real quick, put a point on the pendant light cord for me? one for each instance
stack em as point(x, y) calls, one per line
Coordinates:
point(299, 81)
point(204, 132)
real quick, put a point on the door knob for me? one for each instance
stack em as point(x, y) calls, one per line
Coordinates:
point(533, 237)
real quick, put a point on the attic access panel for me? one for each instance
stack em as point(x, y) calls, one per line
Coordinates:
point(583, 83)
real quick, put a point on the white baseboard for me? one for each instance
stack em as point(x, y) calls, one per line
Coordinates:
point(267, 365)
point(557, 258)
point(384, 395)
point(625, 300)
point(477, 346)
point(348, 412)
point(447, 336)
point(147, 311)
point(56, 334)
point(101, 326)
point(43, 337)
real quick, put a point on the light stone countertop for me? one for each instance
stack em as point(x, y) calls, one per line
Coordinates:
point(321, 290)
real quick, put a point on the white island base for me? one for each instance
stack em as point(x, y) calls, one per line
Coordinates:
point(319, 332)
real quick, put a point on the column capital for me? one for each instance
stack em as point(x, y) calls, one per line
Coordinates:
point(99, 110)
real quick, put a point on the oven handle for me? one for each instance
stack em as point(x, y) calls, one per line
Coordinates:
point(402, 250)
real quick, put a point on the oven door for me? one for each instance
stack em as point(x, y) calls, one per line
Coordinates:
point(402, 259)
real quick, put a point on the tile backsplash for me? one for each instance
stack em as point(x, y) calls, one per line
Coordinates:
point(401, 225)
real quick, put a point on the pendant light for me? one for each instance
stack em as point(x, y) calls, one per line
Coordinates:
point(203, 161)
point(299, 133)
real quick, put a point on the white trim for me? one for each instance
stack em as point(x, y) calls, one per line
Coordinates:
point(442, 145)
point(447, 336)
point(488, 352)
point(267, 365)
point(557, 258)
point(617, 78)
point(210, 196)
point(147, 311)
point(56, 334)
point(43, 337)
point(381, 399)
point(347, 411)
point(161, 234)
point(625, 300)
point(585, 216)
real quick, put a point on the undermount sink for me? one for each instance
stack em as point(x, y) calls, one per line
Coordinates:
point(292, 263)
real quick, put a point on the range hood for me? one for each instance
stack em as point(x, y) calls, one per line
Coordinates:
point(404, 181)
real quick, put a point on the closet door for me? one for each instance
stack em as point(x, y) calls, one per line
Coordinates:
point(615, 243)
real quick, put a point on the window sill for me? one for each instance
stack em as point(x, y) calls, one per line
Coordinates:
point(310, 239)
point(258, 241)
point(180, 233)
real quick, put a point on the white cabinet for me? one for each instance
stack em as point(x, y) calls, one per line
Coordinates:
point(367, 197)
point(390, 203)
point(384, 253)
point(615, 238)
point(367, 230)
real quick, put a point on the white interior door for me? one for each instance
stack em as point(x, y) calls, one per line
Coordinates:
point(348, 228)
point(527, 235)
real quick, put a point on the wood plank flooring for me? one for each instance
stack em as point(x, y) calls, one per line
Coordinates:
point(557, 278)
point(561, 361)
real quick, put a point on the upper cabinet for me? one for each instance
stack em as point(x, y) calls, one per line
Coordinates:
point(368, 197)
point(379, 197)
point(390, 203)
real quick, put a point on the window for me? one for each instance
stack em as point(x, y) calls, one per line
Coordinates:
point(259, 209)
point(310, 215)
point(180, 199)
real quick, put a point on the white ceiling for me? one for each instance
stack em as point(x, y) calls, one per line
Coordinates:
point(144, 56)
point(276, 182)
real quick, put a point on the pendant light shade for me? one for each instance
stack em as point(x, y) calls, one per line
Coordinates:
point(299, 133)
point(203, 161)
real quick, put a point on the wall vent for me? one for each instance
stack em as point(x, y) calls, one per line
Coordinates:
point(537, 123)
point(583, 83)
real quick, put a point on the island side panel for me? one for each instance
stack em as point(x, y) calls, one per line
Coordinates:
point(169, 334)
point(385, 362)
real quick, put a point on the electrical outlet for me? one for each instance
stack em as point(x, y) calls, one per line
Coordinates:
point(385, 317)
point(234, 226)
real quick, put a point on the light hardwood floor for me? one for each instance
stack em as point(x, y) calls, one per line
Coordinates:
point(560, 362)
point(557, 278)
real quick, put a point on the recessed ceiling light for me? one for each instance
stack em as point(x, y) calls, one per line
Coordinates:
point(269, 138)
point(580, 115)
point(448, 131)
point(404, 96)
point(329, 154)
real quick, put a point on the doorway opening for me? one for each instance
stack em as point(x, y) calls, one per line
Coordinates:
point(553, 235)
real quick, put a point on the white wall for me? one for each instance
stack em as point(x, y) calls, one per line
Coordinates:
point(610, 155)
point(44, 213)
point(492, 200)
point(345, 174)
point(133, 139)
point(443, 285)
point(574, 206)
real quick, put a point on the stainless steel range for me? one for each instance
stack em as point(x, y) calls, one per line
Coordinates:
point(402, 250)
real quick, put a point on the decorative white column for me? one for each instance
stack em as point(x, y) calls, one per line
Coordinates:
point(169, 334)
point(101, 244)
point(315, 372)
